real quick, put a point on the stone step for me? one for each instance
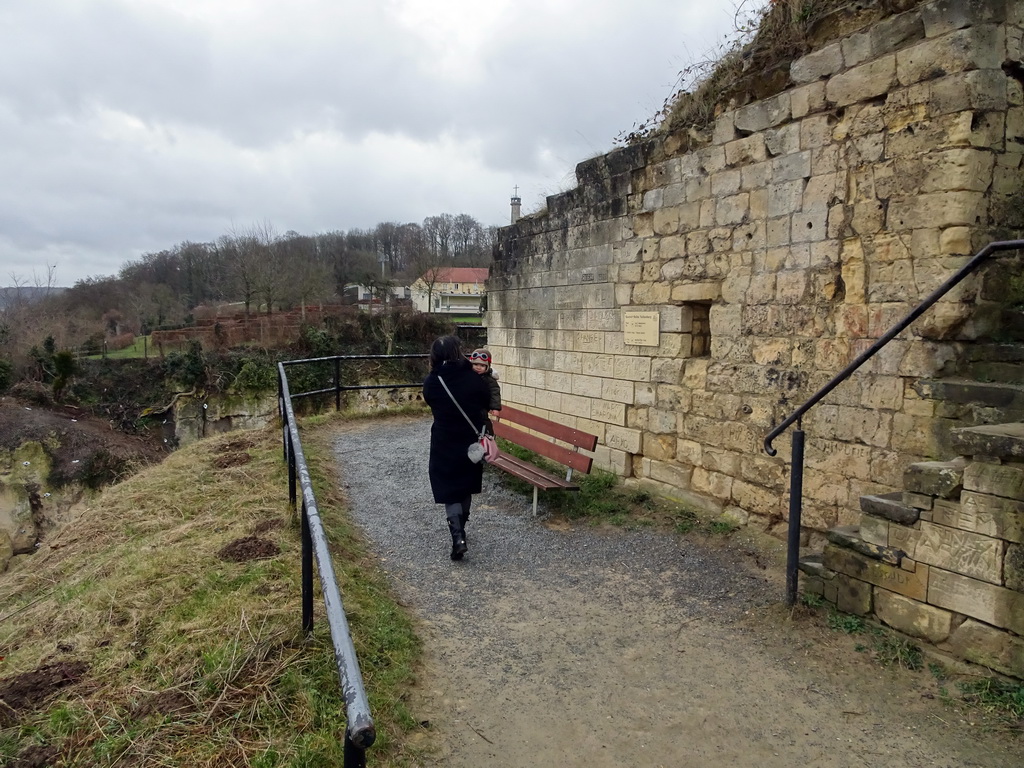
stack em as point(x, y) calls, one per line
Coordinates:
point(942, 479)
point(1002, 395)
point(848, 537)
point(999, 441)
point(890, 506)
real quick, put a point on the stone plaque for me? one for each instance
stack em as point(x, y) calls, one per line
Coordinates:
point(640, 328)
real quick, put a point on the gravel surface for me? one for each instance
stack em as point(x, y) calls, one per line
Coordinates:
point(567, 645)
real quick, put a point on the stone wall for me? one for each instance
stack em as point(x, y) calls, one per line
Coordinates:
point(774, 250)
point(942, 560)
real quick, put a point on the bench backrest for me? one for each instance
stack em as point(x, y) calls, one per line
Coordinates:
point(541, 443)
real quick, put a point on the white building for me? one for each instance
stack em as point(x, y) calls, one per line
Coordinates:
point(450, 290)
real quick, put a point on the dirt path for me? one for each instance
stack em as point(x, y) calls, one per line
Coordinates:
point(579, 647)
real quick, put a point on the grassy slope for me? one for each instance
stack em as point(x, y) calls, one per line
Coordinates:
point(194, 660)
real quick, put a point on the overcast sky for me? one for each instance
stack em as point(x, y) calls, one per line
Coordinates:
point(129, 126)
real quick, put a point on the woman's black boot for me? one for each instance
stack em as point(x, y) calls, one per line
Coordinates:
point(458, 538)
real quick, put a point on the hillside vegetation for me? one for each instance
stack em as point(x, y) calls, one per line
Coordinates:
point(162, 626)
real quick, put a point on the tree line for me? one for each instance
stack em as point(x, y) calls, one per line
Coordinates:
point(257, 267)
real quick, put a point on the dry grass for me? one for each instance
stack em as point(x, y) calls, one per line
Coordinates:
point(753, 63)
point(191, 659)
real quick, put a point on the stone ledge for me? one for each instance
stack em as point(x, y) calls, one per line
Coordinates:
point(848, 536)
point(1001, 441)
point(943, 479)
point(890, 506)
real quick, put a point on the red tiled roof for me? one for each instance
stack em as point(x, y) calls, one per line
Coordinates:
point(459, 275)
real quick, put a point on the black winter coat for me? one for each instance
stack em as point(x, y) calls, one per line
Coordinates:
point(453, 476)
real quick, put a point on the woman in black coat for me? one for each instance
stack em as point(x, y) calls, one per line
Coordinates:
point(453, 477)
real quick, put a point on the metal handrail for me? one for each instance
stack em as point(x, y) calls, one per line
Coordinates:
point(360, 732)
point(796, 478)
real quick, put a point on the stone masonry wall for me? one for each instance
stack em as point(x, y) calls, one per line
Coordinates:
point(774, 250)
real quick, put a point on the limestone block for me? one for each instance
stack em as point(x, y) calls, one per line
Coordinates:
point(853, 595)
point(697, 292)
point(980, 89)
point(809, 226)
point(857, 49)
point(757, 499)
point(713, 484)
point(942, 479)
point(551, 401)
point(952, 549)
point(956, 241)
point(937, 209)
point(632, 368)
point(585, 386)
point(779, 230)
point(670, 473)
point(807, 99)
point(944, 16)
point(732, 210)
point(750, 149)
point(658, 447)
point(990, 603)
point(874, 530)
point(1006, 480)
point(608, 413)
point(689, 452)
point(668, 371)
point(839, 458)
point(662, 422)
point(758, 116)
point(597, 365)
point(904, 538)
point(817, 65)
point(896, 32)
point(914, 585)
point(862, 82)
point(848, 536)
point(958, 169)
point(1013, 567)
point(783, 199)
point(623, 438)
point(988, 646)
point(617, 391)
point(986, 514)
point(976, 47)
point(643, 394)
point(725, 128)
point(666, 221)
point(912, 617)
point(726, 182)
point(729, 463)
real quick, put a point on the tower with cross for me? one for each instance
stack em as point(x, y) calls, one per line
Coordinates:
point(517, 204)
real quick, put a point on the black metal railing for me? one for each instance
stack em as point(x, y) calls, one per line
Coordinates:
point(360, 732)
point(797, 473)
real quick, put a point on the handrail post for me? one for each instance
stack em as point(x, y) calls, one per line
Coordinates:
point(355, 756)
point(796, 495)
point(292, 473)
point(307, 573)
point(337, 383)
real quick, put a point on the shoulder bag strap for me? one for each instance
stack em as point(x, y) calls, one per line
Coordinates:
point(479, 430)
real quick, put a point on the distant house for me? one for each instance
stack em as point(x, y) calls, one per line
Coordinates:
point(364, 297)
point(450, 290)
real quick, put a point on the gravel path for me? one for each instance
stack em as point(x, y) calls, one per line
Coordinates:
point(576, 647)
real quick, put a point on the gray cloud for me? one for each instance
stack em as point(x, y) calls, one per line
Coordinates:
point(128, 126)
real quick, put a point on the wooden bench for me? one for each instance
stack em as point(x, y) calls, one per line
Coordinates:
point(542, 443)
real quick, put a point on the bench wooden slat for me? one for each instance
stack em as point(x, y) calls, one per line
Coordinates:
point(580, 439)
point(538, 444)
point(531, 474)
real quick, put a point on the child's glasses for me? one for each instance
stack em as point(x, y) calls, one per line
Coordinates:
point(480, 356)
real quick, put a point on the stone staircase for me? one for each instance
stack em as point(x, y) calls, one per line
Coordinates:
point(943, 559)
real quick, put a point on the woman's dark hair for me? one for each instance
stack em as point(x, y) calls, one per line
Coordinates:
point(446, 349)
